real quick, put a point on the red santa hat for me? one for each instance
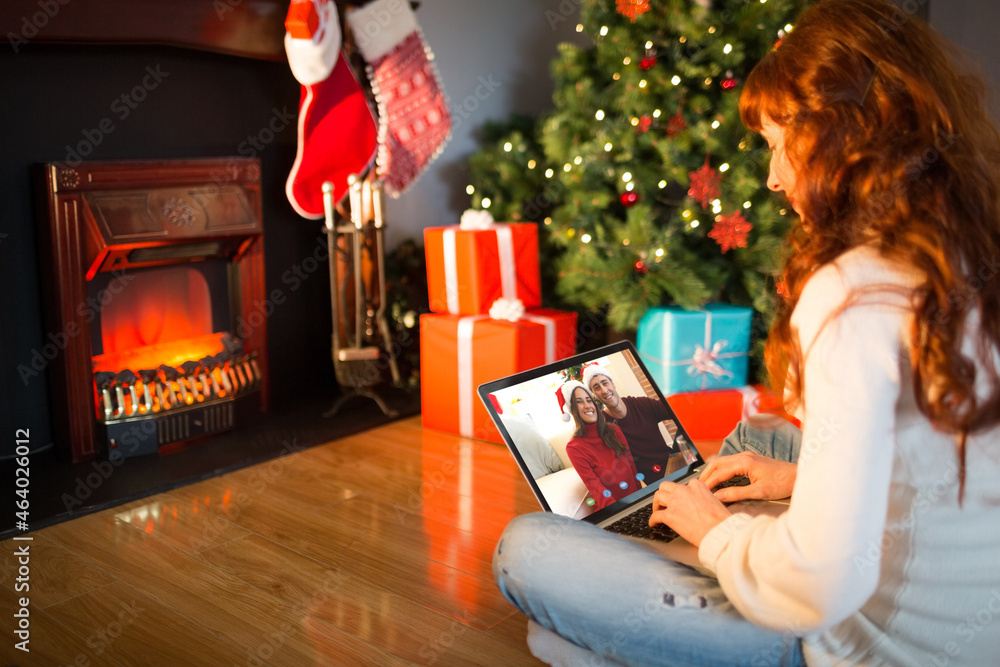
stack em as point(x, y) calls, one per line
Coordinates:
point(564, 396)
point(591, 370)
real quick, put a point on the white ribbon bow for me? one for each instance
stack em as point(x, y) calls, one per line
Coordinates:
point(476, 219)
point(705, 361)
point(507, 309)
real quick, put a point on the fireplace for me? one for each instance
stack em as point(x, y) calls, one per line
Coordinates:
point(153, 281)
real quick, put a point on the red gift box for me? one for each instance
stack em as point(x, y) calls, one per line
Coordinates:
point(469, 269)
point(708, 415)
point(459, 353)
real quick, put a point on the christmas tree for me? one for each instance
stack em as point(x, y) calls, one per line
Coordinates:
point(647, 188)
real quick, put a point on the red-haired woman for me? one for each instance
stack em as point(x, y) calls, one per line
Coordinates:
point(598, 450)
point(889, 349)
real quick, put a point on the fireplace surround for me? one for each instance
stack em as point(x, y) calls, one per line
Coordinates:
point(153, 281)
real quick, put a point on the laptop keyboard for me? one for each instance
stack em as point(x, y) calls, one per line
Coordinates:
point(637, 523)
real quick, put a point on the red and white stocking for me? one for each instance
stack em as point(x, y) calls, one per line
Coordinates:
point(337, 134)
point(414, 122)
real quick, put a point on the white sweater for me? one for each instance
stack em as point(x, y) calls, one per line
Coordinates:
point(874, 563)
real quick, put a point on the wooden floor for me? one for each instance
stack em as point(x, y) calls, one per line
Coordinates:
point(372, 550)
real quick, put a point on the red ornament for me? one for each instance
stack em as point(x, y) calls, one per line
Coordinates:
point(640, 267)
point(729, 82)
point(632, 8)
point(643, 125)
point(782, 289)
point(647, 63)
point(730, 231)
point(628, 198)
point(704, 184)
point(676, 124)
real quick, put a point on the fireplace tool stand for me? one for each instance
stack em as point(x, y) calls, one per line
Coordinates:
point(357, 295)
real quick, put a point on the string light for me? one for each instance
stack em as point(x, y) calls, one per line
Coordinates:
point(788, 27)
point(507, 146)
point(662, 184)
point(728, 48)
point(627, 176)
point(549, 173)
point(567, 166)
point(469, 189)
point(604, 30)
point(715, 125)
point(649, 45)
point(629, 186)
point(711, 30)
point(608, 147)
point(599, 115)
point(625, 242)
point(626, 61)
point(724, 166)
point(531, 164)
point(616, 76)
point(694, 223)
point(659, 252)
point(579, 27)
point(686, 214)
point(548, 220)
point(746, 204)
point(675, 79)
point(656, 113)
point(577, 160)
point(486, 202)
point(585, 238)
point(642, 83)
point(634, 121)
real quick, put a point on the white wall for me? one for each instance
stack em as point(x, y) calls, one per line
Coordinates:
point(973, 25)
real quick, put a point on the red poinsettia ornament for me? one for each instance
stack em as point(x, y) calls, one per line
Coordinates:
point(643, 125)
point(704, 184)
point(730, 231)
point(647, 63)
point(632, 8)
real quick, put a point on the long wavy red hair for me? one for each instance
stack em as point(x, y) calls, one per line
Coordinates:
point(893, 146)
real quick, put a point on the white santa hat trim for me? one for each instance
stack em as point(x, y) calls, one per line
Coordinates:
point(590, 371)
point(380, 26)
point(313, 60)
point(565, 397)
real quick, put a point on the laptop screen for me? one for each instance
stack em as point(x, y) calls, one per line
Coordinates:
point(616, 438)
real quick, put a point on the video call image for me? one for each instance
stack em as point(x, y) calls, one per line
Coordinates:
point(594, 434)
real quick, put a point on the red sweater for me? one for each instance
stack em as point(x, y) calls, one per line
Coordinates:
point(600, 469)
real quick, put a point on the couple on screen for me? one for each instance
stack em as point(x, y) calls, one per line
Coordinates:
point(617, 449)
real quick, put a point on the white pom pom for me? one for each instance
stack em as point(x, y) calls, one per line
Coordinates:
point(565, 417)
point(476, 219)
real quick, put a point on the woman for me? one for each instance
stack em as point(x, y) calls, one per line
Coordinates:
point(889, 349)
point(598, 451)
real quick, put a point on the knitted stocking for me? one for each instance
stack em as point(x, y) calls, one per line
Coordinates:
point(414, 122)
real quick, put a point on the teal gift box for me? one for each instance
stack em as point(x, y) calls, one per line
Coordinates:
point(695, 350)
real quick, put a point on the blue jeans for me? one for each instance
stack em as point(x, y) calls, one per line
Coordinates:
point(618, 599)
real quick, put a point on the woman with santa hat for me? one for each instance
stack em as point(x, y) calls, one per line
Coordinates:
point(598, 451)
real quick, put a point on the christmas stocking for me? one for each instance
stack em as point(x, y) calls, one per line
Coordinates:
point(337, 132)
point(414, 123)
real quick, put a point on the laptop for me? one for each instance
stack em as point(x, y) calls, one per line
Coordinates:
point(573, 480)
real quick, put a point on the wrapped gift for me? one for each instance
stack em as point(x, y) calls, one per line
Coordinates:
point(470, 268)
point(459, 353)
point(696, 350)
point(708, 415)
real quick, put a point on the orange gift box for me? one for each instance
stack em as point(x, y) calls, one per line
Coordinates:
point(708, 415)
point(459, 353)
point(469, 269)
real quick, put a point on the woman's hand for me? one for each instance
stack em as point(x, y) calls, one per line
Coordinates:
point(769, 479)
point(690, 509)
